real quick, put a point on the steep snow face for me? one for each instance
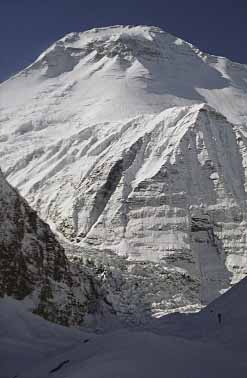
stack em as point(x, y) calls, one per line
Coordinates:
point(34, 268)
point(108, 136)
point(168, 188)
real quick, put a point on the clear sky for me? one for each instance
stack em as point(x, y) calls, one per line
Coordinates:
point(27, 27)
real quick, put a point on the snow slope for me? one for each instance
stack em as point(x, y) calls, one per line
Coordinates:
point(111, 135)
point(199, 346)
point(204, 325)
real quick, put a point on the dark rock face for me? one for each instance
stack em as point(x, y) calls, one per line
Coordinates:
point(33, 264)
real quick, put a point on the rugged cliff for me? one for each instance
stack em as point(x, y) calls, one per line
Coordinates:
point(34, 268)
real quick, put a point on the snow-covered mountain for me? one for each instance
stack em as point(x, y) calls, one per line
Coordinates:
point(130, 140)
point(34, 268)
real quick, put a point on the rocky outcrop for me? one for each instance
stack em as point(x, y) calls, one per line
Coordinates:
point(34, 268)
point(136, 291)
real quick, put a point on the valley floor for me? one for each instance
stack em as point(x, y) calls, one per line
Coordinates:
point(177, 345)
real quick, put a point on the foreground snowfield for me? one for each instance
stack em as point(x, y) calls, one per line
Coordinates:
point(174, 346)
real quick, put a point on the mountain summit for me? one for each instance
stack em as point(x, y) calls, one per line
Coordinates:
point(130, 140)
point(118, 72)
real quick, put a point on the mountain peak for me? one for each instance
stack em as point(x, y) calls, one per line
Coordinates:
point(120, 72)
point(125, 43)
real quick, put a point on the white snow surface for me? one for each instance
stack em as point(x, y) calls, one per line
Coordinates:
point(173, 346)
point(130, 140)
